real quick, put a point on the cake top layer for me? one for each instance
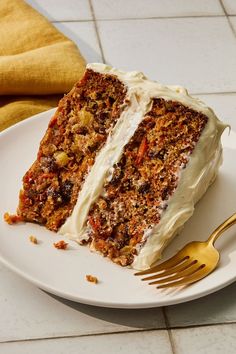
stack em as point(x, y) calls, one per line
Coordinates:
point(137, 82)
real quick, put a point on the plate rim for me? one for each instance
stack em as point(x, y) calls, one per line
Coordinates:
point(111, 304)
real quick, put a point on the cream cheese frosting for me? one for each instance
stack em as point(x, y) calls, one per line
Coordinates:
point(193, 181)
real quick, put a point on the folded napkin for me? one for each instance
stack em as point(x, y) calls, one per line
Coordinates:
point(37, 63)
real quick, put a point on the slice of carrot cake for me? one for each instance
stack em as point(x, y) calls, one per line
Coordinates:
point(75, 135)
point(122, 164)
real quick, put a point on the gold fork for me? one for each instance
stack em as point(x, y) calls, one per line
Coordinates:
point(193, 262)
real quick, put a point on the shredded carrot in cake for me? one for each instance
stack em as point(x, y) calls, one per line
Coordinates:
point(60, 245)
point(92, 279)
point(95, 224)
point(141, 151)
point(12, 218)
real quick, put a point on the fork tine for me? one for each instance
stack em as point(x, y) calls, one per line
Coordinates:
point(199, 274)
point(173, 270)
point(171, 262)
point(193, 267)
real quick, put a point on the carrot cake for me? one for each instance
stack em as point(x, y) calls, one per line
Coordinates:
point(122, 164)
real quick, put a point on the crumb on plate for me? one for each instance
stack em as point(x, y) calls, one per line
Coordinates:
point(12, 218)
point(92, 279)
point(33, 239)
point(60, 245)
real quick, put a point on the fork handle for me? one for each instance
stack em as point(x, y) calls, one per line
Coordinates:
point(223, 227)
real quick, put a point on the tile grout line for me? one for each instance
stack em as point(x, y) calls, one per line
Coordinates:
point(227, 17)
point(97, 31)
point(137, 18)
point(202, 325)
point(81, 335)
point(159, 18)
point(168, 328)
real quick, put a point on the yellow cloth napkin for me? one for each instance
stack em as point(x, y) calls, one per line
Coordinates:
point(37, 63)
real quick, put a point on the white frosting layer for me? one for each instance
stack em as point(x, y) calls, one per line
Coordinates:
point(194, 180)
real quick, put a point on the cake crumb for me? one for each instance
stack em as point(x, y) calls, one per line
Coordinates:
point(60, 245)
point(33, 239)
point(92, 279)
point(12, 218)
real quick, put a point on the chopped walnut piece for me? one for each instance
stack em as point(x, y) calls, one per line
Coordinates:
point(61, 158)
point(33, 239)
point(60, 245)
point(92, 279)
point(12, 218)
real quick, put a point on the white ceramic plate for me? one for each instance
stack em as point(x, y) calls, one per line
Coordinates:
point(63, 272)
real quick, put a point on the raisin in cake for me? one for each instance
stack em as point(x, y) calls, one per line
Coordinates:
point(122, 164)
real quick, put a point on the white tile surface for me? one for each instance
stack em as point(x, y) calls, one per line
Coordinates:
point(230, 6)
point(61, 10)
point(205, 340)
point(27, 312)
point(153, 342)
point(215, 308)
point(105, 9)
point(84, 36)
point(189, 52)
point(198, 53)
